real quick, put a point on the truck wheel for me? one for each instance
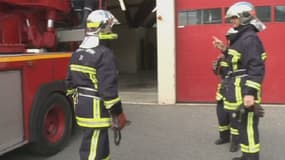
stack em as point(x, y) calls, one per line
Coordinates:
point(51, 125)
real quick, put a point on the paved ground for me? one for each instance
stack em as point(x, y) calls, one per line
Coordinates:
point(171, 132)
point(176, 132)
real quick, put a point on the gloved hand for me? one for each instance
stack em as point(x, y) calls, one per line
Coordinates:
point(258, 110)
point(119, 121)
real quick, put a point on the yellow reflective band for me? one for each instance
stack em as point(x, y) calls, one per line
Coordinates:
point(70, 92)
point(93, 122)
point(264, 56)
point(233, 106)
point(94, 80)
point(84, 69)
point(234, 53)
point(108, 36)
point(107, 158)
point(96, 108)
point(109, 104)
point(247, 149)
point(94, 145)
point(253, 84)
point(238, 96)
point(234, 131)
point(224, 64)
point(219, 96)
point(250, 132)
point(93, 24)
point(238, 92)
point(236, 56)
point(256, 86)
point(224, 128)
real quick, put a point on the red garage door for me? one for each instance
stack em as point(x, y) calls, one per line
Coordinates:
point(197, 22)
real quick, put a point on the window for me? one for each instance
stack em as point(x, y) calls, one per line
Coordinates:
point(212, 16)
point(280, 13)
point(194, 17)
point(263, 13)
point(189, 17)
point(182, 19)
point(206, 16)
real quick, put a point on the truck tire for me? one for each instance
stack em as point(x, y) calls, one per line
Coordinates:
point(51, 125)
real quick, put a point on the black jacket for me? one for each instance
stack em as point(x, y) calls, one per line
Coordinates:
point(246, 56)
point(104, 79)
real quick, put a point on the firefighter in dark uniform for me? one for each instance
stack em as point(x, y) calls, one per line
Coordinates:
point(223, 116)
point(242, 86)
point(228, 125)
point(93, 82)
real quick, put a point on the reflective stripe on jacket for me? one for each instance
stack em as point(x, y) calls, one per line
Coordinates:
point(94, 77)
point(245, 53)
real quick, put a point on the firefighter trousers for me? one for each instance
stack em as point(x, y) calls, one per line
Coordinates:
point(95, 144)
point(228, 124)
point(94, 118)
point(250, 145)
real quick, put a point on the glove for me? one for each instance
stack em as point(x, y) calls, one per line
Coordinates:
point(258, 110)
point(119, 121)
point(118, 116)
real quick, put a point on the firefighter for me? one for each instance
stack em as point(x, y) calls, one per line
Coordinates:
point(93, 82)
point(242, 86)
point(89, 6)
point(228, 124)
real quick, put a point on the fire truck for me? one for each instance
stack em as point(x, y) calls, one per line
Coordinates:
point(34, 109)
point(37, 38)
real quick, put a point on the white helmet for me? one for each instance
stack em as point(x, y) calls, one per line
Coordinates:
point(99, 26)
point(245, 11)
point(100, 21)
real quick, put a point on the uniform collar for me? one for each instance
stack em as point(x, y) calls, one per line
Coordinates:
point(89, 42)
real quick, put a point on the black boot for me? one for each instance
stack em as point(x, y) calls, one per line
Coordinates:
point(221, 141)
point(234, 147)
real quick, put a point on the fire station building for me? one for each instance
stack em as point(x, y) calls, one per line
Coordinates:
point(181, 40)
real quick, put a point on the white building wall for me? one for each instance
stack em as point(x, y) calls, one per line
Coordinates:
point(166, 51)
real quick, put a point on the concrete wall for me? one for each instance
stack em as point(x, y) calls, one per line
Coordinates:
point(126, 49)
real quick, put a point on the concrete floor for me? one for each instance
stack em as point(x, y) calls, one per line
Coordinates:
point(140, 88)
point(175, 132)
point(171, 132)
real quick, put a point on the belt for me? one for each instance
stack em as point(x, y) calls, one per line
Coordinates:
point(237, 73)
point(88, 92)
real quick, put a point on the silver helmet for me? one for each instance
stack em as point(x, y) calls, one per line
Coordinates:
point(99, 26)
point(245, 11)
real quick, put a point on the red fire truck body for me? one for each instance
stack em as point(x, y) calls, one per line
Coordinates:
point(34, 109)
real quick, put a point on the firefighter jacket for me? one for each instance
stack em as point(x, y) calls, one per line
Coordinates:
point(93, 82)
point(245, 57)
point(220, 68)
